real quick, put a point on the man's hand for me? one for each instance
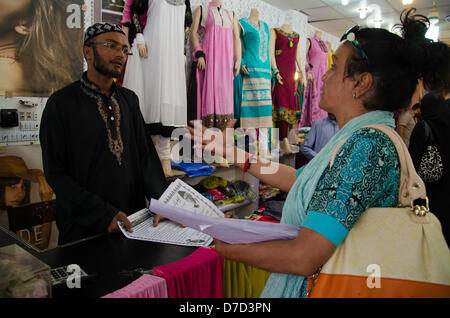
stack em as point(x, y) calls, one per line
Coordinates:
point(120, 217)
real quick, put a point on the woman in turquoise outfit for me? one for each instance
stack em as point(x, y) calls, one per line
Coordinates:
point(253, 100)
point(374, 73)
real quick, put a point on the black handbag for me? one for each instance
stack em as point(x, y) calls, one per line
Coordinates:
point(431, 167)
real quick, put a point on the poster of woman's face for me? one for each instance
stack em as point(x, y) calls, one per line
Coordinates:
point(23, 185)
point(40, 45)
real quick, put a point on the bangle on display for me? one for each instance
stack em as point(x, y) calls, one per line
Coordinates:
point(140, 38)
point(197, 49)
point(275, 71)
point(200, 54)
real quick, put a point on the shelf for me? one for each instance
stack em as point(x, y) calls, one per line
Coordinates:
point(233, 206)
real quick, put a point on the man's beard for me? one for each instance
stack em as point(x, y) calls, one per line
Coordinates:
point(100, 66)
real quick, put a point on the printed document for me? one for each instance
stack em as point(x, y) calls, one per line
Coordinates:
point(179, 195)
point(232, 231)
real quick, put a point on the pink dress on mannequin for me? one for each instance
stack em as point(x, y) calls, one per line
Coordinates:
point(215, 85)
point(318, 58)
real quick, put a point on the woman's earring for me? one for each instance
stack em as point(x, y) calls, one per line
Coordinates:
point(354, 95)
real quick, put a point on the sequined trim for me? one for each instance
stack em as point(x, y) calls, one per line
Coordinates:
point(115, 145)
point(284, 114)
point(292, 35)
point(219, 121)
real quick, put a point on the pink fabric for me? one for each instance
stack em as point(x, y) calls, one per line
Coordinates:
point(126, 14)
point(146, 286)
point(318, 58)
point(215, 84)
point(216, 194)
point(197, 276)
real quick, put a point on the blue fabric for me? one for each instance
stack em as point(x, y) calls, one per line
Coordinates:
point(299, 197)
point(193, 169)
point(326, 225)
point(320, 133)
point(299, 171)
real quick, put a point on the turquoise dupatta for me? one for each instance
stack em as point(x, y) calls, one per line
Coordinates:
point(294, 211)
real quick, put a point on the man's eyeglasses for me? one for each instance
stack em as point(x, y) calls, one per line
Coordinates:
point(351, 37)
point(125, 49)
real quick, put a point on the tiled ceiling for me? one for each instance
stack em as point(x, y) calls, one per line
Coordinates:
point(334, 18)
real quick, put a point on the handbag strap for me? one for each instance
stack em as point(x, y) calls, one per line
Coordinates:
point(428, 133)
point(411, 185)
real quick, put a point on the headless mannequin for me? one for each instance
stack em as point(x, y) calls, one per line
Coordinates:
point(201, 62)
point(287, 29)
point(308, 46)
point(262, 146)
point(196, 43)
point(162, 143)
point(254, 17)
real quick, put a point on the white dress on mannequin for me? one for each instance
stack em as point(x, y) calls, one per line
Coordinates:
point(160, 80)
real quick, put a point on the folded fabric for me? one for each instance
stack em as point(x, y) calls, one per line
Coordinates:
point(207, 195)
point(198, 275)
point(266, 218)
point(231, 200)
point(216, 194)
point(214, 182)
point(243, 189)
point(228, 191)
point(274, 209)
point(193, 169)
point(146, 286)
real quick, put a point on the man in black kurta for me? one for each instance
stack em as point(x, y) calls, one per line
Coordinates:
point(96, 155)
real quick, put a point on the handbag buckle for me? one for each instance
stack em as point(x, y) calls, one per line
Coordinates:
point(420, 210)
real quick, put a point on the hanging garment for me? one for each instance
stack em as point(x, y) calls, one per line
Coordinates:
point(159, 80)
point(198, 275)
point(286, 106)
point(146, 286)
point(215, 84)
point(318, 59)
point(256, 100)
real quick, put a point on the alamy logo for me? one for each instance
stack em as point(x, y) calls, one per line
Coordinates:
point(374, 278)
point(74, 279)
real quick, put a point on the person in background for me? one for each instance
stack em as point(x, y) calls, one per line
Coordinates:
point(435, 113)
point(95, 152)
point(415, 109)
point(320, 133)
point(406, 125)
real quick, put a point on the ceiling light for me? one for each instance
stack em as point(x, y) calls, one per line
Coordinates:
point(362, 13)
point(407, 2)
point(344, 2)
point(433, 16)
point(433, 33)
